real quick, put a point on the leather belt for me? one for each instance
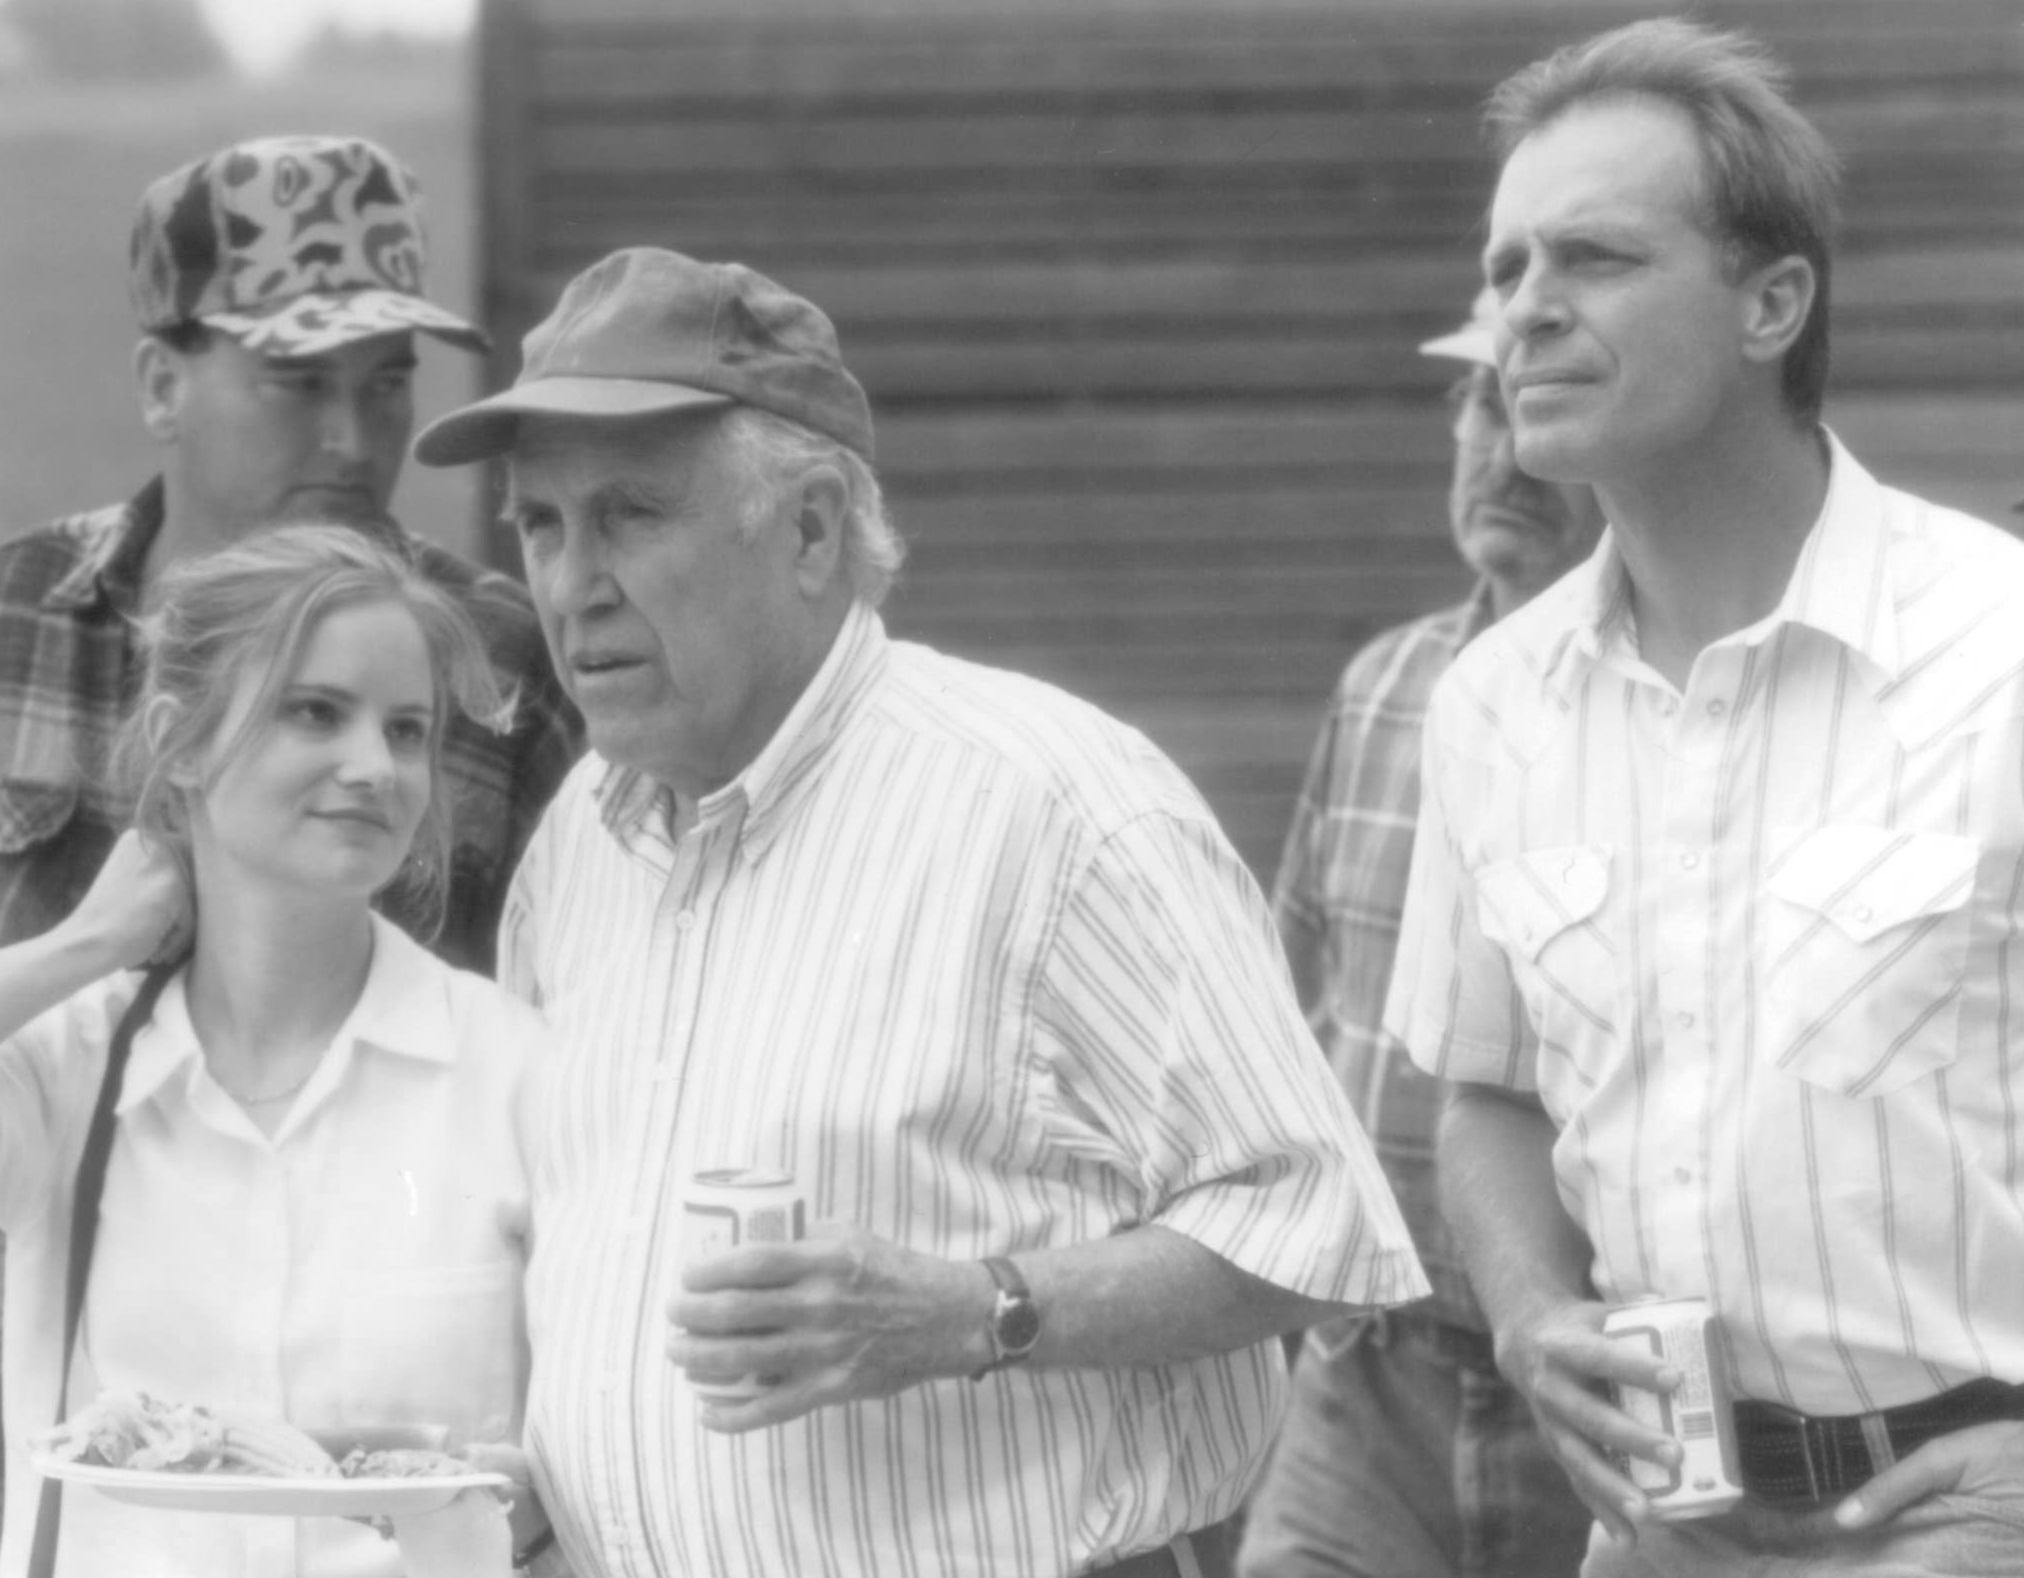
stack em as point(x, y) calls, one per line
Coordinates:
point(1203, 1554)
point(1793, 1458)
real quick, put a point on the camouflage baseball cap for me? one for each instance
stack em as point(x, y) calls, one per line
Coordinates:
point(292, 245)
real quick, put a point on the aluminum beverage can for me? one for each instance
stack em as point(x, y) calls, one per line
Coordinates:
point(1698, 1414)
point(725, 1208)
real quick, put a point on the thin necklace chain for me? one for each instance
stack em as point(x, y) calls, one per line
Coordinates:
point(269, 1099)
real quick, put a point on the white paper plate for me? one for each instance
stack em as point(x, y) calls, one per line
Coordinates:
point(307, 1497)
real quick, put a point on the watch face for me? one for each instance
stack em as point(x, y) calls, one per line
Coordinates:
point(1018, 1326)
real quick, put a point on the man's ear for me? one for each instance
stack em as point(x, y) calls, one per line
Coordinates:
point(160, 374)
point(1778, 298)
point(823, 503)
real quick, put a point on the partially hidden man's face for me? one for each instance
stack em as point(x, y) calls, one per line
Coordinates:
point(258, 439)
point(1620, 333)
point(678, 632)
point(1522, 534)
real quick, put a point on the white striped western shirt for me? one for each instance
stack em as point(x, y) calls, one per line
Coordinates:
point(1756, 944)
point(974, 963)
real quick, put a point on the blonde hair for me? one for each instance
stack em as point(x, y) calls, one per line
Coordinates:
point(248, 612)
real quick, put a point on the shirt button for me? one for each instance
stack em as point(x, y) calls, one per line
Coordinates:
point(1683, 1175)
point(1717, 707)
point(1685, 1019)
point(1668, 707)
point(685, 920)
point(1689, 861)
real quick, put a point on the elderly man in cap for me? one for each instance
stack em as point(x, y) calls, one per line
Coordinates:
point(278, 286)
point(1405, 1454)
point(967, 961)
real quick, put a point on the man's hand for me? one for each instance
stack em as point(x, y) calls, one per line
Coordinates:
point(836, 1317)
point(1984, 1460)
point(1557, 1358)
point(138, 907)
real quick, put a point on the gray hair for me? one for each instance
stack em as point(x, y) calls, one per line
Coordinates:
point(770, 453)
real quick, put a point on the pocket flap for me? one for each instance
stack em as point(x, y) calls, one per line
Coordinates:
point(33, 811)
point(1865, 880)
point(1525, 901)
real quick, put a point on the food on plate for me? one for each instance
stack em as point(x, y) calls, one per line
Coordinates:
point(133, 1430)
point(400, 1463)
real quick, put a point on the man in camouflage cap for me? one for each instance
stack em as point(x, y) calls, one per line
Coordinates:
point(278, 287)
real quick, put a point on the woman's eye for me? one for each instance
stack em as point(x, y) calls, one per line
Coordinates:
point(409, 734)
point(312, 712)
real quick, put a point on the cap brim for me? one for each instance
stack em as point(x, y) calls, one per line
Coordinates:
point(478, 432)
point(1470, 344)
point(312, 325)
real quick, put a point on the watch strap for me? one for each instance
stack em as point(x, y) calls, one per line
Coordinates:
point(1010, 1279)
point(1015, 1298)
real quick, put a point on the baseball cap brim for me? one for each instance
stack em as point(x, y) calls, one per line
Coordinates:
point(312, 324)
point(1470, 343)
point(478, 432)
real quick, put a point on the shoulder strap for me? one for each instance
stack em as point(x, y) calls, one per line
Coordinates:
point(85, 1202)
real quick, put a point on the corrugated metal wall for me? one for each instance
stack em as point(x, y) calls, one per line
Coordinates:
point(1135, 289)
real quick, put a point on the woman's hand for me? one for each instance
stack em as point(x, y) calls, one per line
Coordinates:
point(467, 1539)
point(139, 910)
point(498, 1457)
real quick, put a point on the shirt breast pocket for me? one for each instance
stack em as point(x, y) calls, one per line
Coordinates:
point(437, 1345)
point(1868, 930)
point(1545, 909)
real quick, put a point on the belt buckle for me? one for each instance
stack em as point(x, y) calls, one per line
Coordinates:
point(1804, 1428)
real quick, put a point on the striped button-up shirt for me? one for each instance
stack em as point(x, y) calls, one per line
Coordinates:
point(975, 964)
point(1755, 944)
point(70, 664)
point(1339, 896)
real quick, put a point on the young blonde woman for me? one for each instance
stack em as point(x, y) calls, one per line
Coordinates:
point(313, 1205)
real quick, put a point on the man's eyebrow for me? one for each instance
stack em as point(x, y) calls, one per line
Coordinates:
point(628, 490)
point(604, 496)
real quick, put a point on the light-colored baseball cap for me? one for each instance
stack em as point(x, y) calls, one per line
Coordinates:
point(645, 331)
point(1476, 340)
point(292, 245)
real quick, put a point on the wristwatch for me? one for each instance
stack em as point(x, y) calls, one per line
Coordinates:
point(1015, 1319)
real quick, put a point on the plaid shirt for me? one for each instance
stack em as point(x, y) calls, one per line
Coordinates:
point(1339, 898)
point(70, 666)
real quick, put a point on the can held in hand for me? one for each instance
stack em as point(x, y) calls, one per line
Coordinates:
point(1697, 1414)
point(726, 1208)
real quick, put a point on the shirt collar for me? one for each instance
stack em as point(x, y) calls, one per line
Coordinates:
point(402, 1011)
point(756, 802)
point(1479, 612)
point(1841, 585)
point(1840, 582)
point(109, 573)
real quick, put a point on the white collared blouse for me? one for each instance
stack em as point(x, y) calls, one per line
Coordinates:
point(361, 1265)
